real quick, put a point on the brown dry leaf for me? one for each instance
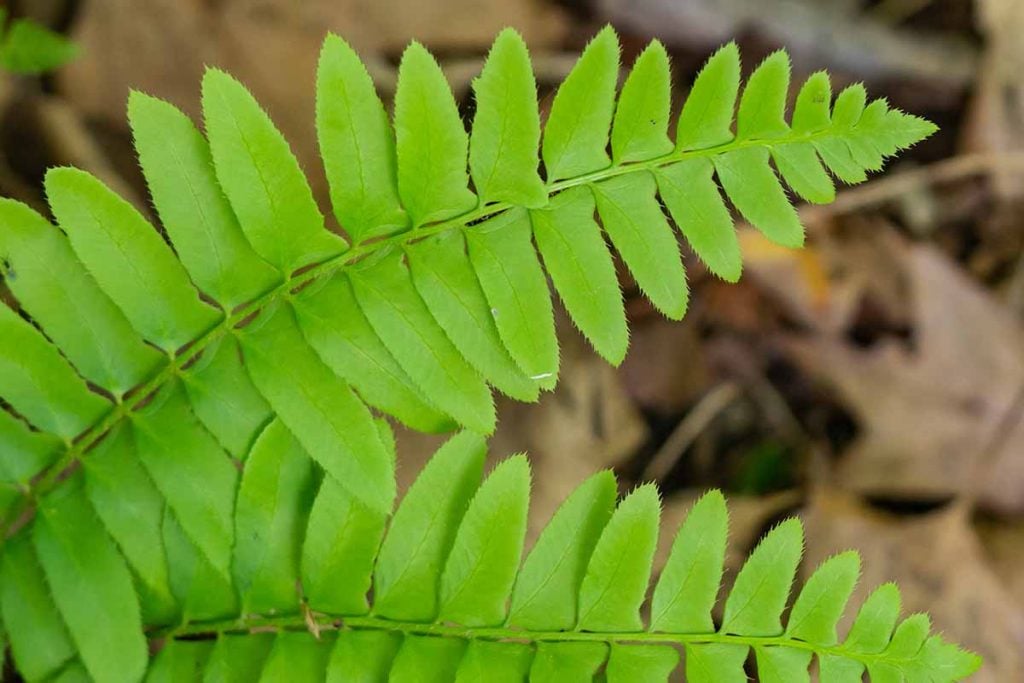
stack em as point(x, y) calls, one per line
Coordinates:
point(824, 284)
point(1003, 541)
point(798, 279)
point(666, 368)
point(163, 46)
point(836, 34)
point(940, 567)
point(995, 116)
point(927, 411)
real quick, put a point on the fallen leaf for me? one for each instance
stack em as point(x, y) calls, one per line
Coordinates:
point(995, 114)
point(1003, 541)
point(928, 407)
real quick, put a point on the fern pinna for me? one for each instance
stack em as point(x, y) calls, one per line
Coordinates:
point(204, 473)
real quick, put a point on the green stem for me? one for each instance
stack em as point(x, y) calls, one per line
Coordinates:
point(320, 622)
point(178, 361)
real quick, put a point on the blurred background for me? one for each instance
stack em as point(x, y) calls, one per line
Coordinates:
point(872, 384)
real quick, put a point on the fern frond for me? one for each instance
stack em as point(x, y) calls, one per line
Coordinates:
point(449, 596)
point(139, 377)
point(455, 298)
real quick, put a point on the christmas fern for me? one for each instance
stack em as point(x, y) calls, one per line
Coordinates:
point(188, 448)
point(448, 594)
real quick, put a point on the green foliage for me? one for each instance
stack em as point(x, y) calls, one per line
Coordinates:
point(29, 48)
point(448, 594)
point(188, 437)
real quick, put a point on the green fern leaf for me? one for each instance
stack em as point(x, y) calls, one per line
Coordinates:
point(811, 112)
point(445, 279)
point(202, 591)
point(567, 662)
point(616, 580)
point(416, 546)
point(688, 587)
point(262, 179)
point(716, 663)
point(641, 663)
point(224, 398)
point(297, 657)
point(783, 664)
point(755, 604)
point(754, 188)
point(357, 144)
point(582, 270)
point(26, 453)
point(432, 143)
point(762, 111)
point(576, 133)
point(103, 621)
point(65, 301)
point(823, 599)
point(327, 418)
point(40, 384)
point(706, 118)
point(798, 164)
point(695, 202)
point(179, 661)
point(545, 595)
point(42, 645)
point(640, 128)
point(178, 166)
point(500, 662)
point(128, 259)
point(506, 128)
point(421, 659)
point(131, 508)
point(363, 656)
point(481, 565)
point(185, 464)
point(270, 513)
point(639, 231)
point(236, 659)
point(386, 294)
point(334, 324)
point(340, 546)
point(27, 47)
point(875, 621)
point(511, 277)
point(228, 493)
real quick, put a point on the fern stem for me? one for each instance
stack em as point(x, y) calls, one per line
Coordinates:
point(317, 623)
point(179, 361)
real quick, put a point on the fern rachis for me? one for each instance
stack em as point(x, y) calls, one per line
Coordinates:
point(192, 459)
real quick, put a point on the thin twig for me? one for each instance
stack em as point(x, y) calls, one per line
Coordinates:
point(689, 428)
point(892, 12)
point(890, 187)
